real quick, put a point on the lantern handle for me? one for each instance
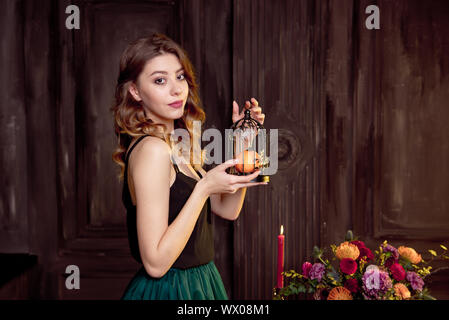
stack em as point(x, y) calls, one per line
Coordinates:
point(247, 117)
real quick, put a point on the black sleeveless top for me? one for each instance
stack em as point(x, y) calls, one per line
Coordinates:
point(200, 246)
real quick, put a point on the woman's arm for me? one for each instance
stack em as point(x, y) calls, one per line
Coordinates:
point(160, 244)
point(227, 205)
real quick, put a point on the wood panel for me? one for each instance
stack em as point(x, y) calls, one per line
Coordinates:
point(40, 93)
point(412, 180)
point(277, 59)
point(400, 139)
point(13, 120)
point(339, 47)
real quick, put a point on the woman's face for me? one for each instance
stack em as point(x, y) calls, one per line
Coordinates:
point(162, 89)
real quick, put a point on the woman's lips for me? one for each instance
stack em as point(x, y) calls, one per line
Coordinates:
point(176, 104)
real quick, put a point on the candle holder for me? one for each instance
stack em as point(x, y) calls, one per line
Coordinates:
point(251, 152)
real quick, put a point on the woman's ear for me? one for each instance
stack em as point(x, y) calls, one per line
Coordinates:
point(134, 92)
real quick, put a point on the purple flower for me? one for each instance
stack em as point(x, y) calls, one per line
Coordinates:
point(375, 282)
point(317, 271)
point(394, 255)
point(393, 250)
point(415, 280)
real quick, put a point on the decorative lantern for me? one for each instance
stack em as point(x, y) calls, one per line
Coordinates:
point(250, 143)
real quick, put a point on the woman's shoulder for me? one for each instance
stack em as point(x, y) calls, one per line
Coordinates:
point(150, 147)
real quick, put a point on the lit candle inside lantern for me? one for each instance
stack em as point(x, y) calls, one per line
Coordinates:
point(280, 277)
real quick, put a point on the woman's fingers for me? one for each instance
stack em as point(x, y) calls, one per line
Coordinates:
point(227, 164)
point(248, 185)
point(256, 110)
point(246, 179)
point(253, 105)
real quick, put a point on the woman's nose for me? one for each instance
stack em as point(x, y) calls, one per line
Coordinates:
point(176, 89)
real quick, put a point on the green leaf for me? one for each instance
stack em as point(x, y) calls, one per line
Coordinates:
point(301, 289)
point(314, 283)
point(286, 291)
point(427, 296)
point(406, 264)
point(334, 275)
point(292, 288)
point(333, 247)
point(317, 252)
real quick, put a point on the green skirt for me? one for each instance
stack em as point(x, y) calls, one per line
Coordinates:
point(198, 283)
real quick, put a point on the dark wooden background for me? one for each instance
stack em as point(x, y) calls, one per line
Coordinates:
point(363, 139)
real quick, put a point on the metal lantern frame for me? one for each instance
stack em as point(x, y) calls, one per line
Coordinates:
point(258, 159)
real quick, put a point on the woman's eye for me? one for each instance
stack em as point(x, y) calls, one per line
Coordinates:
point(159, 81)
point(181, 76)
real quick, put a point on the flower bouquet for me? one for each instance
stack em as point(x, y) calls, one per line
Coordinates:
point(387, 274)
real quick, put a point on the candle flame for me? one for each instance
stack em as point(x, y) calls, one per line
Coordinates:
point(282, 229)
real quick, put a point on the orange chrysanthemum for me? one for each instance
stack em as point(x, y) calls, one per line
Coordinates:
point(401, 291)
point(347, 250)
point(410, 254)
point(339, 293)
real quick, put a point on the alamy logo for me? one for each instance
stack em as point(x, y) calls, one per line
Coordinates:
point(73, 280)
point(265, 144)
point(373, 20)
point(73, 20)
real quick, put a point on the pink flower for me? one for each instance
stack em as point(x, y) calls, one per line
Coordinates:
point(306, 266)
point(348, 266)
point(365, 253)
point(390, 261)
point(397, 271)
point(358, 243)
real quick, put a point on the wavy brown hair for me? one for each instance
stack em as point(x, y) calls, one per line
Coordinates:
point(130, 120)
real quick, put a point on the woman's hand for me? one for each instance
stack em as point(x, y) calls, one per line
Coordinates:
point(218, 180)
point(256, 113)
point(253, 106)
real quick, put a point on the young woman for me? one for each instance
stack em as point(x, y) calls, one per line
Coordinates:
point(169, 199)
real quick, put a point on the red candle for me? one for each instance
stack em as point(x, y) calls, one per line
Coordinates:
point(280, 277)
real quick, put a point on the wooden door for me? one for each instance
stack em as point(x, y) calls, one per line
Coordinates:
point(92, 228)
point(401, 158)
point(92, 216)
